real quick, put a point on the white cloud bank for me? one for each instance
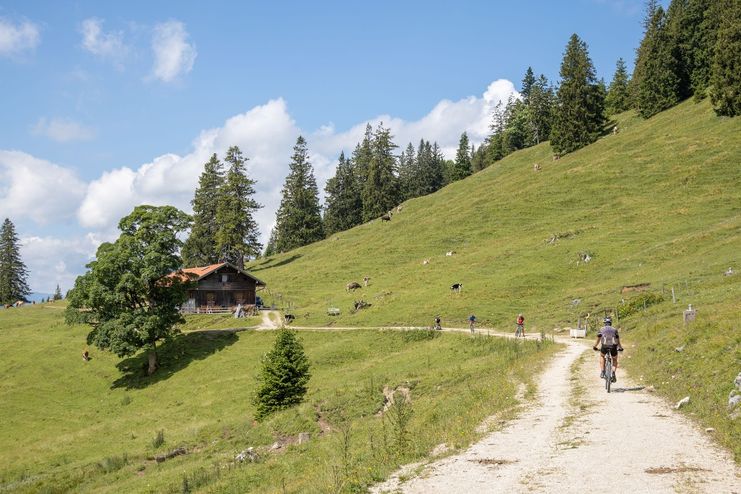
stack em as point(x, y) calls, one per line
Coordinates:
point(265, 134)
point(62, 130)
point(173, 54)
point(108, 46)
point(18, 38)
point(37, 189)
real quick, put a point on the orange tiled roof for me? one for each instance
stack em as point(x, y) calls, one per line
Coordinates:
point(193, 274)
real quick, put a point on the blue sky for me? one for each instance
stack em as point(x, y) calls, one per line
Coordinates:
point(106, 105)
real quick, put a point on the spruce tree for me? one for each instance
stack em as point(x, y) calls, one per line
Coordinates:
point(618, 97)
point(658, 85)
point(57, 293)
point(270, 248)
point(362, 156)
point(527, 85)
point(283, 379)
point(435, 173)
point(343, 206)
point(462, 167)
point(13, 272)
point(299, 220)
point(381, 189)
point(541, 110)
point(579, 111)
point(409, 185)
point(237, 236)
point(725, 79)
point(200, 247)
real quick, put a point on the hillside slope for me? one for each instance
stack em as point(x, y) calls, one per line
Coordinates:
point(657, 204)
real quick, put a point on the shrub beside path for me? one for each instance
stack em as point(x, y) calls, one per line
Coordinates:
point(575, 437)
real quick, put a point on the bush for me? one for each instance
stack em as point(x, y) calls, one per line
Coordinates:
point(113, 463)
point(284, 375)
point(420, 335)
point(641, 302)
point(159, 439)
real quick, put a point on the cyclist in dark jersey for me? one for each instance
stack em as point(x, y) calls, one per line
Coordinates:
point(610, 340)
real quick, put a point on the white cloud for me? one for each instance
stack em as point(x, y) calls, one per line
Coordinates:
point(266, 135)
point(109, 46)
point(173, 55)
point(37, 189)
point(51, 261)
point(62, 130)
point(17, 38)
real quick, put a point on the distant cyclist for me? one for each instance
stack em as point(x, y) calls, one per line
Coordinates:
point(520, 331)
point(471, 323)
point(610, 340)
point(437, 323)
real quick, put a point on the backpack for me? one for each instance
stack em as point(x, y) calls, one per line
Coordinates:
point(609, 338)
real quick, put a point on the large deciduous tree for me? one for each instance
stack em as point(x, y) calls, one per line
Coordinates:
point(200, 247)
point(126, 295)
point(13, 272)
point(237, 236)
point(579, 113)
point(299, 220)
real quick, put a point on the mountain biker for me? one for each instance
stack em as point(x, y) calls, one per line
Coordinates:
point(520, 331)
point(610, 340)
point(471, 323)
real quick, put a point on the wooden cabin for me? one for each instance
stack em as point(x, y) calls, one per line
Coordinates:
point(219, 288)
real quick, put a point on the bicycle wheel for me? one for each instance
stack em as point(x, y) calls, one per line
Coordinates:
point(608, 374)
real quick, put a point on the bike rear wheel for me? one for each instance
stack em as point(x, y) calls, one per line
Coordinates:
point(608, 374)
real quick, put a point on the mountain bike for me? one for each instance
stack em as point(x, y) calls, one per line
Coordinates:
point(609, 371)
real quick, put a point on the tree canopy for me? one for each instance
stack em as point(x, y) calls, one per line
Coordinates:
point(126, 295)
point(13, 272)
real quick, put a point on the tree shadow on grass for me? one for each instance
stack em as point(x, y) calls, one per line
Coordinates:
point(173, 356)
point(285, 261)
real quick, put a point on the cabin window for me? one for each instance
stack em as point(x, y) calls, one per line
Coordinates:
point(224, 278)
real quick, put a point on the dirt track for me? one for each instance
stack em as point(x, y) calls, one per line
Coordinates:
point(567, 441)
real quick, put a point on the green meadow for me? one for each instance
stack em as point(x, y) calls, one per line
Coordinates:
point(658, 205)
point(70, 425)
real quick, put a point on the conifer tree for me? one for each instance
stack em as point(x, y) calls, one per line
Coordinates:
point(270, 248)
point(13, 272)
point(478, 159)
point(343, 206)
point(462, 167)
point(381, 189)
point(409, 185)
point(579, 113)
point(299, 220)
point(57, 293)
point(283, 379)
point(540, 106)
point(237, 237)
point(725, 79)
point(517, 134)
point(527, 85)
point(200, 247)
point(362, 156)
point(435, 173)
point(618, 97)
point(658, 85)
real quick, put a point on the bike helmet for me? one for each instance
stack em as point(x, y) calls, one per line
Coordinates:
point(608, 320)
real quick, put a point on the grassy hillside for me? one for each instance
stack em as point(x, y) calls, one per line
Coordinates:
point(658, 203)
point(68, 425)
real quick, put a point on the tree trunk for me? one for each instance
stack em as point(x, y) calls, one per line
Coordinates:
point(152, 355)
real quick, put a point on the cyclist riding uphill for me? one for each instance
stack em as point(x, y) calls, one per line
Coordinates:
point(610, 340)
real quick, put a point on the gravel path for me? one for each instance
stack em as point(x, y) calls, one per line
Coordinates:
point(571, 442)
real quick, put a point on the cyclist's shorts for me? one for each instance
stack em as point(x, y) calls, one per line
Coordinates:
point(612, 349)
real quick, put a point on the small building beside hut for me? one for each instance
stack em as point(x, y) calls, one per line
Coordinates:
point(219, 288)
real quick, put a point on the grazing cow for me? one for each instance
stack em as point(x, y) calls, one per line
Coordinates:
point(19, 303)
point(352, 286)
point(556, 156)
point(399, 208)
point(8, 306)
point(366, 279)
point(450, 253)
point(615, 130)
point(536, 167)
point(289, 318)
point(360, 304)
point(425, 262)
point(456, 287)
point(386, 217)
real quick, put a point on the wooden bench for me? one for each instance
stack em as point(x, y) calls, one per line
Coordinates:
point(333, 311)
